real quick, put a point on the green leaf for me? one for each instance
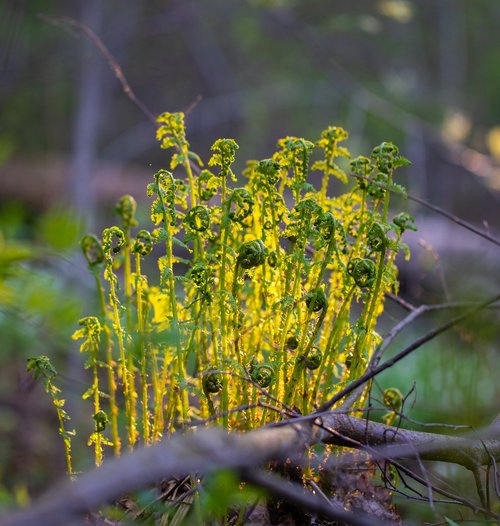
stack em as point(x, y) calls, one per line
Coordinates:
point(195, 157)
point(179, 243)
point(88, 393)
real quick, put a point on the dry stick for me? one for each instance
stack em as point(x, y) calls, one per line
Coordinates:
point(387, 443)
point(213, 449)
point(454, 218)
point(392, 442)
point(432, 207)
point(391, 335)
point(293, 492)
point(400, 301)
point(114, 66)
point(200, 452)
point(352, 432)
point(445, 493)
point(406, 418)
point(402, 354)
point(401, 416)
point(112, 63)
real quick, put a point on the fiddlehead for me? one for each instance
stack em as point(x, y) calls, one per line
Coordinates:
point(143, 244)
point(198, 219)
point(377, 237)
point(316, 300)
point(251, 254)
point(363, 271)
point(92, 250)
point(126, 208)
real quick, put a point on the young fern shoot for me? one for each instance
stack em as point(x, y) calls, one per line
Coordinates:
point(254, 288)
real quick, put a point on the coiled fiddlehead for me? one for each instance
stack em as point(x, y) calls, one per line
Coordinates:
point(292, 342)
point(143, 243)
point(251, 254)
point(404, 221)
point(261, 373)
point(126, 208)
point(198, 218)
point(212, 383)
point(203, 278)
point(224, 155)
point(92, 250)
point(208, 185)
point(172, 131)
point(361, 167)
point(326, 225)
point(163, 208)
point(269, 168)
point(363, 271)
point(316, 300)
point(101, 420)
point(393, 399)
point(313, 360)
point(240, 204)
point(113, 239)
point(91, 328)
point(272, 259)
point(201, 275)
point(377, 238)
point(384, 155)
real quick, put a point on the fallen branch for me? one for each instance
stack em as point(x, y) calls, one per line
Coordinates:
point(372, 372)
point(212, 449)
point(388, 442)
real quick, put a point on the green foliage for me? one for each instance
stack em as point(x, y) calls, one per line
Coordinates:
point(60, 230)
point(221, 492)
point(41, 367)
point(33, 299)
point(260, 308)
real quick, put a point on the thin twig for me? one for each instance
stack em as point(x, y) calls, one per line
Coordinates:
point(112, 63)
point(432, 207)
point(420, 480)
point(311, 502)
point(239, 409)
point(402, 354)
point(454, 218)
point(400, 301)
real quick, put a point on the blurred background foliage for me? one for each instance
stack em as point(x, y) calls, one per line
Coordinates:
point(424, 74)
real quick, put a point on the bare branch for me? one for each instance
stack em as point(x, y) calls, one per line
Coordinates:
point(213, 449)
point(392, 442)
point(434, 208)
point(309, 501)
point(362, 380)
point(106, 53)
point(456, 499)
point(201, 452)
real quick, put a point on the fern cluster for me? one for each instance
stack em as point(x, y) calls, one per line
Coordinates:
point(252, 306)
